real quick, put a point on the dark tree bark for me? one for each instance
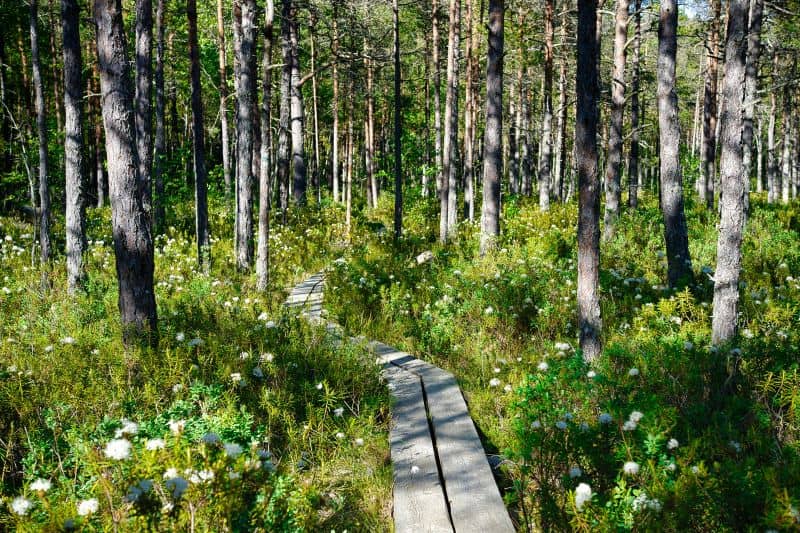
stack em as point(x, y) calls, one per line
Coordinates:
point(547, 110)
point(41, 129)
point(99, 159)
point(751, 84)
point(144, 123)
point(398, 162)
point(73, 144)
point(469, 139)
point(198, 144)
point(133, 244)
point(297, 110)
point(633, 157)
point(265, 193)
point(285, 112)
point(615, 137)
point(561, 135)
point(493, 134)
point(447, 224)
point(679, 264)
point(160, 150)
point(589, 321)
point(733, 181)
point(709, 150)
point(223, 100)
point(244, 15)
point(315, 175)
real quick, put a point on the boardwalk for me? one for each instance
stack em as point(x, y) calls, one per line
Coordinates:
point(442, 479)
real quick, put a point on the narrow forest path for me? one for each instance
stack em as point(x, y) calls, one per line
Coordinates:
point(442, 478)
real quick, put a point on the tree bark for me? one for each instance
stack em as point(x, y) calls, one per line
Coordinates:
point(160, 148)
point(223, 99)
point(198, 144)
point(786, 172)
point(561, 135)
point(589, 321)
point(679, 265)
point(469, 195)
point(437, 99)
point(369, 137)
point(244, 15)
point(41, 129)
point(493, 134)
point(614, 160)
point(144, 123)
point(133, 244)
point(73, 144)
point(335, 103)
point(297, 112)
point(398, 163)
point(315, 113)
point(285, 112)
point(265, 193)
point(772, 160)
point(634, 178)
point(547, 110)
point(708, 153)
point(447, 226)
point(733, 181)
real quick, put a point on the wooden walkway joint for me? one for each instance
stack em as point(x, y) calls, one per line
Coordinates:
point(442, 478)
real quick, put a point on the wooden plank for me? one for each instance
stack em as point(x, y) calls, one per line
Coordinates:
point(475, 501)
point(419, 501)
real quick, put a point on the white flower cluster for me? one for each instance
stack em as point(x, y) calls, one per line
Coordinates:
point(633, 421)
point(643, 502)
point(583, 494)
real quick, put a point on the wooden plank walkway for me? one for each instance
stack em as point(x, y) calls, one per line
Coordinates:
point(442, 479)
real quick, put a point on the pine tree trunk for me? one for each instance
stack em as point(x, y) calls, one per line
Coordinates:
point(265, 193)
point(589, 321)
point(772, 160)
point(733, 180)
point(561, 135)
point(469, 201)
point(160, 148)
point(144, 126)
point(335, 104)
point(369, 142)
point(285, 112)
point(437, 100)
point(57, 92)
point(223, 100)
point(634, 176)
point(709, 150)
point(679, 265)
point(615, 137)
point(297, 112)
point(41, 129)
point(244, 15)
point(198, 144)
point(450, 145)
point(314, 109)
point(547, 111)
point(133, 244)
point(73, 144)
point(493, 134)
point(398, 164)
point(786, 172)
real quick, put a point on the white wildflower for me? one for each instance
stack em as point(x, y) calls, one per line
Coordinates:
point(583, 494)
point(67, 340)
point(494, 382)
point(672, 444)
point(87, 507)
point(359, 442)
point(339, 435)
point(128, 428)
point(636, 416)
point(180, 336)
point(591, 374)
point(41, 485)
point(543, 366)
point(267, 357)
point(633, 372)
point(155, 444)
point(244, 356)
point(629, 425)
point(631, 468)
point(176, 426)
point(319, 386)
point(171, 473)
point(118, 449)
point(236, 377)
point(339, 411)
point(21, 505)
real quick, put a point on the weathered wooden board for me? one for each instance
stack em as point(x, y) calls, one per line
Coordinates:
point(419, 501)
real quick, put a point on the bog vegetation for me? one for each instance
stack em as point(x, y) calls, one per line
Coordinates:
point(168, 171)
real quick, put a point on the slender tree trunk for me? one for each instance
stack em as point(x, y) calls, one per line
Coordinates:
point(679, 265)
point(772, 160)
point(696, 126)
point(41, 128)
point(759, 147)
point(335, 103)
point(634, 177)
point(450, 144)
point(223, 99)
point(733, 180)
point(751, 87)
point(398, 163)
point(590, 324)
point(561, 135)
point(708, 153)
point(100, 158)
point(369, 141)
point(133, 244)
point(265, 194)
point(316, 173)
point(437, 100)
point(57, 92)
point(285, 112)
point(297, 113)
point(348, 192)
point(198, 144)
point(786, 172)
point(144, 126)
point(244, 15)
point(547, 110)
point(615, 137)
point(73, 144)
point(493, 134)
point(160, 150)
point(469, 208)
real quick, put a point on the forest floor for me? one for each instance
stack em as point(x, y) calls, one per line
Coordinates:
point(248, 416)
